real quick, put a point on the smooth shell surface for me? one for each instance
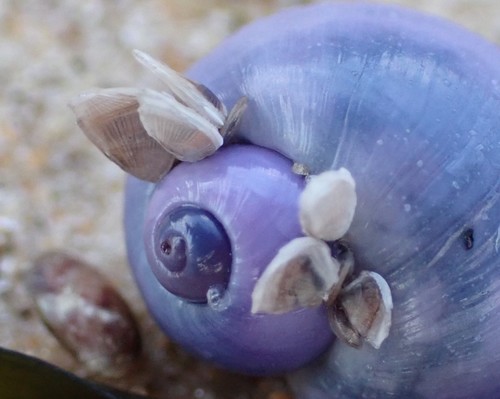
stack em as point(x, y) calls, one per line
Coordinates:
point(410, 105)
point(234, 185)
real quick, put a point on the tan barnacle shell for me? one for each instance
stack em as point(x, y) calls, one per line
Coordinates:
point(145, 131)
point(301, 274)
point(346, 261)
point(179, 129)
point(233, 119)
point(327, 204)
point(192, 107)
point(193, 95)
point(110, 119)
point(362, 311)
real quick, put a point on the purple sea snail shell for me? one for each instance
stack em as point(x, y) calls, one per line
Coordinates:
point(410, 105)
point(232, 185)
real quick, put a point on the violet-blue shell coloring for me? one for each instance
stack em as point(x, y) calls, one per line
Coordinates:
point(251, 191)
point(410, 105)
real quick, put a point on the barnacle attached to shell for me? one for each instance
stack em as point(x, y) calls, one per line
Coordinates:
point(362, 311)
point(144, 131)
point(301, 274)
point(304, 272)
point(327, 204)
point(110, 119)
point(190, 123)
point(409, 106)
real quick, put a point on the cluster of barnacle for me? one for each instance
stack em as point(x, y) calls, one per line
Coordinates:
point(396, 82)
point(146, 132)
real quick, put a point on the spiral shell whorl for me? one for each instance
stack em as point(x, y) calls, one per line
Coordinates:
point(410, 105)
point(226, 332)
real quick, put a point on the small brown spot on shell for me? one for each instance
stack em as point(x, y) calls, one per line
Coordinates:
point(85, 313)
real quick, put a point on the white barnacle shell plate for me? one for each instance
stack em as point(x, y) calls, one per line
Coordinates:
point(300, 275)
point(185, 91)
point(143, 131)
point(110, 119)
point(363, 311)
point(327, 204)
point(379, 330)
point(179, 129)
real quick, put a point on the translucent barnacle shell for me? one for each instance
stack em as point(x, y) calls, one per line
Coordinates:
point(301, 274)
point(362, 311)
point(110, 119)
point(145, 131)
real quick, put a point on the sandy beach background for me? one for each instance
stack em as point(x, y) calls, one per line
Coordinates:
point(58, 192)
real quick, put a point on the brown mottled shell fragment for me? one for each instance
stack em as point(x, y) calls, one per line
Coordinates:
point(85, 313)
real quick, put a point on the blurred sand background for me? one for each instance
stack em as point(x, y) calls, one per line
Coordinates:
point(58, 192)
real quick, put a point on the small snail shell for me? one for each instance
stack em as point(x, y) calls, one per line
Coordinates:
point(233, 185)
point(410, 106)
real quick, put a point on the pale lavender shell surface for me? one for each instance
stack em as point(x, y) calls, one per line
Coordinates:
point(410, 105)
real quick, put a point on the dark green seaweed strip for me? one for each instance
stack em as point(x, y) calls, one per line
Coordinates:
point(25, 377)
